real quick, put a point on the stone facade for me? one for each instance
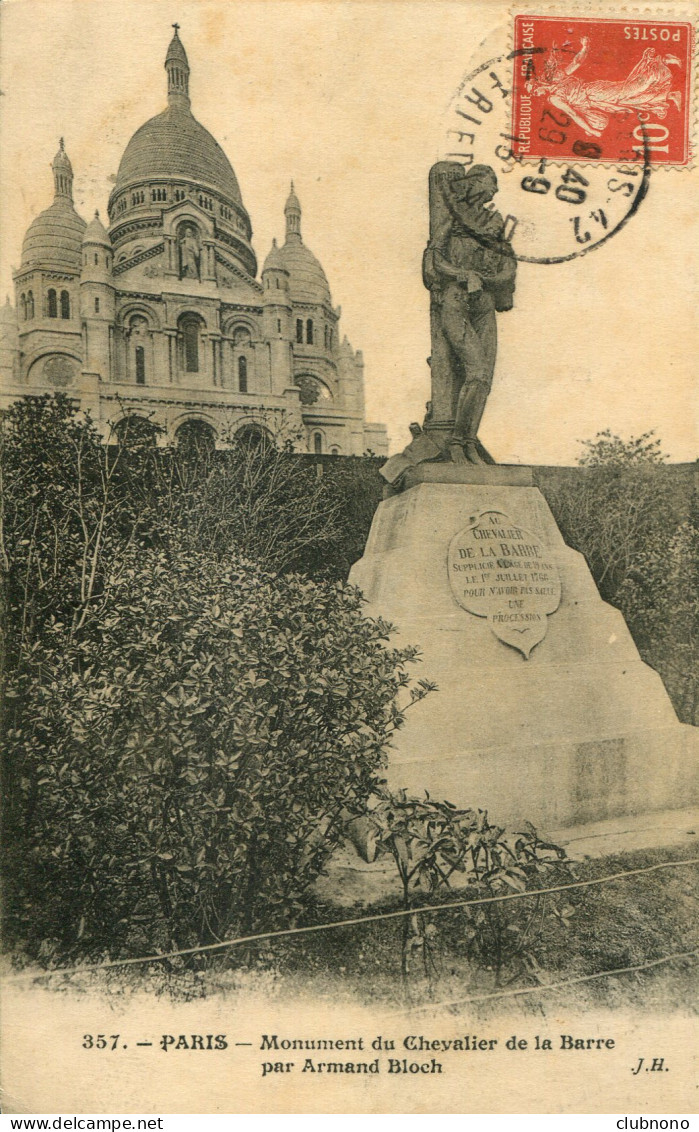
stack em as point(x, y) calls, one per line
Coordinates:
point(162, 317)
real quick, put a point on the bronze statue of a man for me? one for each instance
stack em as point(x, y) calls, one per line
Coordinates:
point(469, 268)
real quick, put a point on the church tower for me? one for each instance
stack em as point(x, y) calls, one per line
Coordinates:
point(47, 286)
point(97, 299)
point(160, 314)
point(276, 306)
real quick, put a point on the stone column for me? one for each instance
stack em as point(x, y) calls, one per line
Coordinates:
point(171, 265)
point(171, 338)
point(208, 257)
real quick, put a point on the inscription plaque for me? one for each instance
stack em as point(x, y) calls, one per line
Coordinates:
point(504, 572)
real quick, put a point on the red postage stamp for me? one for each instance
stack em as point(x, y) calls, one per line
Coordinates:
point(602, 89)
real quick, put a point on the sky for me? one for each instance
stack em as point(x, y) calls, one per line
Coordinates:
point(350, 100)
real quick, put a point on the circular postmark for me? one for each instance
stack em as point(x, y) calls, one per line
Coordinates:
point(552, 211)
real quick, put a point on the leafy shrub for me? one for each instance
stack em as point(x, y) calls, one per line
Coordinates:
point(660, 601)
point(184, 764)
point(607, 449)
point(623, 510)
point(58, 512)
point(433, 844)
point(263, 501)
point(614, 505)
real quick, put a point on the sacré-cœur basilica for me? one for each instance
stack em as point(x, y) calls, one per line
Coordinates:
point(161, 317)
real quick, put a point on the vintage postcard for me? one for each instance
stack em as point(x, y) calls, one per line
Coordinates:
point(348, 551)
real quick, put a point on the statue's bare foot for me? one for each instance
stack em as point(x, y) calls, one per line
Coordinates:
point(472, 454)
point(456, 453)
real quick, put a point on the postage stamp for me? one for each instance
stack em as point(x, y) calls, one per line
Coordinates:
point(610, 90)
point(553, 210)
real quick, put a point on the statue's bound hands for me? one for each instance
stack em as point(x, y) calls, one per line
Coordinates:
point(472, 281)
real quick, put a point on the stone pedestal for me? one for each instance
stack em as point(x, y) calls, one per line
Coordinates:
point(580, 731)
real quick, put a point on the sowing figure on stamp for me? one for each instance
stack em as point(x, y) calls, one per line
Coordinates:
point(646, 89)
point(469, 268)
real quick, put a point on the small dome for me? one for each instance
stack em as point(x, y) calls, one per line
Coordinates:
point(274, 261)
point(54, 238)
point(96, 233)
point(307, 280)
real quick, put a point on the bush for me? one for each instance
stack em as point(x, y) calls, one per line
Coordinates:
point(610, 510)
point(624, 512)
point(433, 844)
point(660, 601)
point(58, 511)
point(185, 763)
point(263, 501)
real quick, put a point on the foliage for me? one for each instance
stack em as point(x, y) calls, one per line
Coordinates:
point(624, 514)
point(186, 731)
point(611, 510)
point(352, 488)
point(62, 517)
point(660, 601)
point(432, 844)
point(70, 505)
point(257, 500)
point(186, 762)
point(608, 448)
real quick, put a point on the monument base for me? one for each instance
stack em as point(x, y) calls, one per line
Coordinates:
point(569, 729)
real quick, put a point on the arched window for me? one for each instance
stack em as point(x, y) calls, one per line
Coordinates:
point(191, 346)
point(23, 305)
point(317, 443)
point(335, 451)
point(326, 336)
point(196, 438)
point(140, 365)
point(242, 374)
point(30, 304)
point(133, 430)
point(65, 304)
point(97, 306)
point(97, 257)
point(309, 331)
point(52, 304)
point(190, 328)
point(253, 436)
point(299, 330)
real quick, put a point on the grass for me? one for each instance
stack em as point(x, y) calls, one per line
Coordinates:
point(623, 923)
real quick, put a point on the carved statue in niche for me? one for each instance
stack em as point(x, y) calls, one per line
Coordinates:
point(189, 253)
point(469, 268)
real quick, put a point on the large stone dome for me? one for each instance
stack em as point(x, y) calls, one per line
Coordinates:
point(174, 145)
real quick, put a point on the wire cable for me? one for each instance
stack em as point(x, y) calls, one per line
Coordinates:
point(258, 937)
